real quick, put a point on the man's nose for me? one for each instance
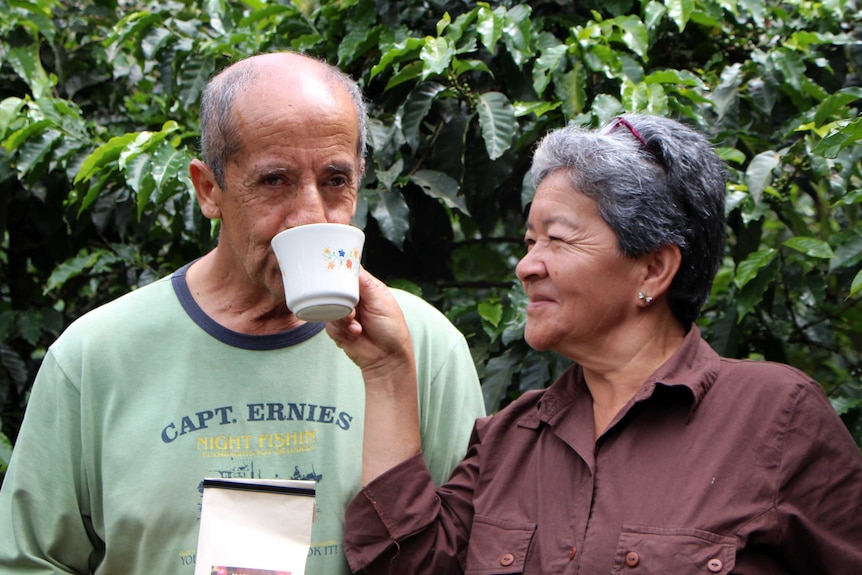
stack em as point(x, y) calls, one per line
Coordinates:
point(310, 207)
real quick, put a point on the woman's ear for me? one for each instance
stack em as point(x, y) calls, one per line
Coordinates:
point(661, 267)
point(206, 189)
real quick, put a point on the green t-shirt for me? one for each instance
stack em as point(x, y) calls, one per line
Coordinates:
point(142, 398)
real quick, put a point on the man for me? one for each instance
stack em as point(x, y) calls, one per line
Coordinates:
point(206, 373)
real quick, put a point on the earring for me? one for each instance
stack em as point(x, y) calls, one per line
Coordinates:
point(646, 298)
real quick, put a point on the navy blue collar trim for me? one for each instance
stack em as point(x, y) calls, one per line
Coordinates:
point(234, 338)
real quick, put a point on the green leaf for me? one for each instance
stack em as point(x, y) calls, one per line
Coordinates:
point(730, 155)
point(263, 12)
point(10, 110)
point(606, 107)
point(360, 36)
point(137, 170)
point(642, 97)
point(35, 150)
point(634, 34)
point(192, 77)
point(104, 155)
point(491, 311)
point(836, 105)
point(812, 247)
point(27, 64)
point(844, 405)
point(443, 23)
point(792, 67)
point(748, 268)
point(726, 95)
point(93, 191)
point(676, 77)
point(490, 28)
point(758, 175)
point(440, 186)
point(517, 31)
point(756, 8)
point(571, 90)
point(856, 286)
point(32, 8)
point(406, 74)
point(550, 61)
point(839, 138)
point(416, 108)
point(461, 67)
point(653, 13)
point(168, 164)
point(388, 177)
point(538, 108)
point(20, 137)
point(847, 246)
point(751, 295)
point(497, 120)
point(15, 365)
point(392, 215)
point(498, 375)
point(680, 11)
point(848, 199)
point(534, 372)
point(5, 452)
point(72, 268)
point(395, 54)
point(436, 55)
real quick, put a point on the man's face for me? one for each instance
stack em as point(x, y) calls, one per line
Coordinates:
point(298, 164)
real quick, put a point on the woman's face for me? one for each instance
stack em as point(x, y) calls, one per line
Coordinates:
point(582, 290)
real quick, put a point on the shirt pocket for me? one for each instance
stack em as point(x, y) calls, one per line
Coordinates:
point(656, 551)
point(498, 547)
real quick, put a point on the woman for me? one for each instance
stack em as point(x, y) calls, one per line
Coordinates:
point(651, 454)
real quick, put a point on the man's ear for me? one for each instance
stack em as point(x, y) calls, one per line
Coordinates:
point(661, 267)
point(207, 189)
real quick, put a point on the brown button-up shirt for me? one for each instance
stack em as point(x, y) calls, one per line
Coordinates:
point(715, 466)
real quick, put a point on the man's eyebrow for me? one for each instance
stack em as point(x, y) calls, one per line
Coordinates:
point(341, 168)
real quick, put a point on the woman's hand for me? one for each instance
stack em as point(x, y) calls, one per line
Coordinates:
point(374, 335)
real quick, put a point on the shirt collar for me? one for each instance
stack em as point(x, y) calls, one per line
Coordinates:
point(694, 366)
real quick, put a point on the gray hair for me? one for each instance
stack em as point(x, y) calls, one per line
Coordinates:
point(220, 138)
point(656, 182)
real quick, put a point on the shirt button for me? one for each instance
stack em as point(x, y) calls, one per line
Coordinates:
point(572, 552)
point(632, 559)
point(507, 559)
point(714, 565)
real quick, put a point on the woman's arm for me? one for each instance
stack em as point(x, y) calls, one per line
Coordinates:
point(376, 338)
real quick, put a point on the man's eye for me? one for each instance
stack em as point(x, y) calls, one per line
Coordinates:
point(271, 180)
point(338, 181)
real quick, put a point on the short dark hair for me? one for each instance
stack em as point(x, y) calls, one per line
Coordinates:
point(656, 182)
point(220, 140)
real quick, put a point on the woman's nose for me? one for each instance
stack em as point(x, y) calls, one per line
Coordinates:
point(530, 266)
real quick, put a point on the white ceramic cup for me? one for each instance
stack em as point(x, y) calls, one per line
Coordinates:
point(320, 269)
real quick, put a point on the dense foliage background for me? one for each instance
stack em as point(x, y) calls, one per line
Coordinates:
point(98, 121)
